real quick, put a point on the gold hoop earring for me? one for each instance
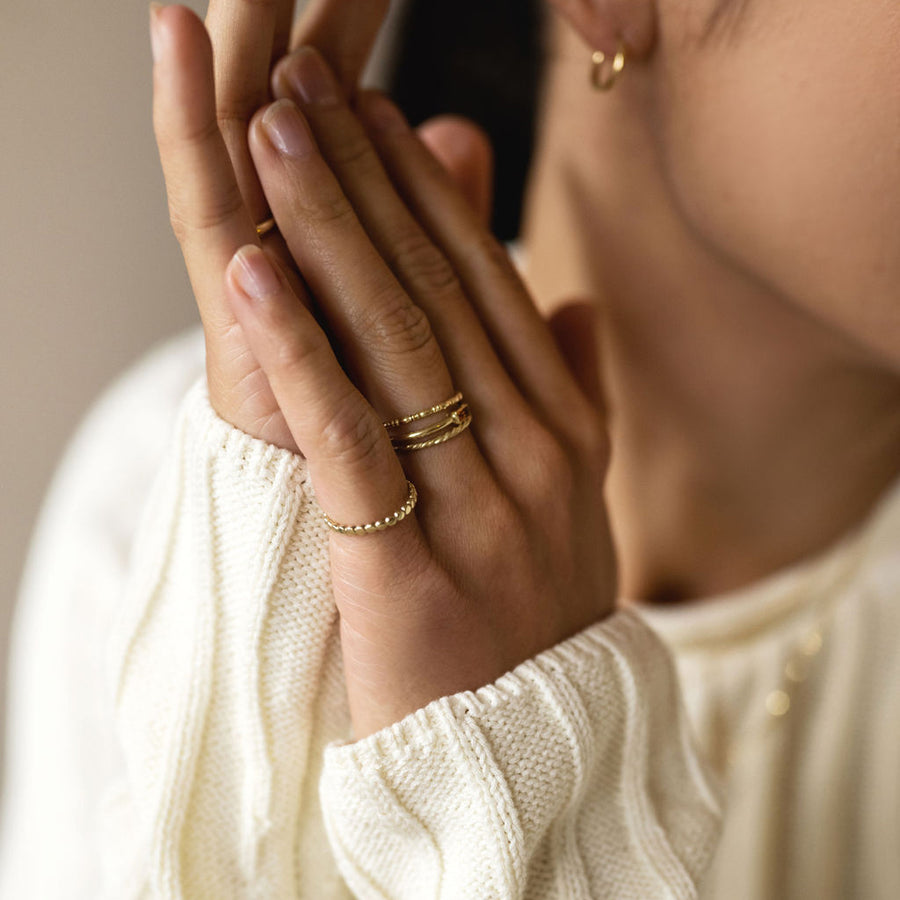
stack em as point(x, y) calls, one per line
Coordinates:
point(604, 71)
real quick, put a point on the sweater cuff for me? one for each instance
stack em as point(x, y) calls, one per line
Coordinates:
point(575, 770)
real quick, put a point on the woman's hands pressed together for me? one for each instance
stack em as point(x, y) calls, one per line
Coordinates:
point(508, 551)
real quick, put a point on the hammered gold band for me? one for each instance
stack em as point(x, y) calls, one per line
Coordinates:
point(265, 227)
point(388, 522)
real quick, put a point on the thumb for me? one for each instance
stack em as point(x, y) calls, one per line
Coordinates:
point(575, 328)
point(464, 150)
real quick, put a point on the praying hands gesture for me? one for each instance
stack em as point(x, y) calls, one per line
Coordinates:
point(381, 294)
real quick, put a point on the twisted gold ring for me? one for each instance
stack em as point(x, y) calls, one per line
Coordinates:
point(457, 419)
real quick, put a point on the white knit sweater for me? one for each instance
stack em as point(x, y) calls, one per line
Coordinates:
point(178, 726)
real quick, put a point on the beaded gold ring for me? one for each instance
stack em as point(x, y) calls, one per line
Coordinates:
point(388, 522)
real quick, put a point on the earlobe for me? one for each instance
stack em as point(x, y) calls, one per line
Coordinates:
point(603, 24)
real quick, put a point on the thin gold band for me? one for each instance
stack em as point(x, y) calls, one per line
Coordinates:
point(388, 522)
point(265, 227)
point(464, 421)
point(448, 421)
point(439, 407)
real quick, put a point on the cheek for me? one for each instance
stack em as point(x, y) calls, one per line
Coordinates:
point(782, 148)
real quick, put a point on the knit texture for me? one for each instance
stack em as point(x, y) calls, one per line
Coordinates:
point(178, 725)
point(567, 777)
point(225, 641)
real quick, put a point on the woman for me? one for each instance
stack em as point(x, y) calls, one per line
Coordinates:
point(467, 700)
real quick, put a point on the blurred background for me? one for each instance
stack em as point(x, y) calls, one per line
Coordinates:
point(91, 274)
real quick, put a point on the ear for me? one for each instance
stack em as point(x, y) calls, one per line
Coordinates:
point(465, 152)
point(602, 23)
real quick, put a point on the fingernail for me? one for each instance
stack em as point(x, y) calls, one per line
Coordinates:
point(287, 129)
point(381, 114)
point(155, 38)
point(312, 79)
point(253, 272)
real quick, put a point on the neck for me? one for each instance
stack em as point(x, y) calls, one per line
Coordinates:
point(746, 434)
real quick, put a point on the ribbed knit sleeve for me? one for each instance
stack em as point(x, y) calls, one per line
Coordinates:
point(225, 671)
point(182, 728)
point(573, 776)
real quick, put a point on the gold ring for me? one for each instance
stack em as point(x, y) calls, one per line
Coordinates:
point(265, 227)
point(439, 407)
point(456, 420)
point(453, 418)
point(459, 422)
point(411, 497)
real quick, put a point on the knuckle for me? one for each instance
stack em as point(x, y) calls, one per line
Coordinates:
point(486, 247)
point(354, 151)
point(349, 434)
point(551, 473)
point(294, 354)
point(592, 441)
point(423, 266)
point(215, 212)
point(398, 324)
point(199, 134)
point(234, 114)
point(546, 451)
point(331, 210)
point(500, 528)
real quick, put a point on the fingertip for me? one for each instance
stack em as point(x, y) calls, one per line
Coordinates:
point(464, 150)
point(170, 17)
point(278, 83)
point(177, 27)
point(252, 273)
point(157, 47)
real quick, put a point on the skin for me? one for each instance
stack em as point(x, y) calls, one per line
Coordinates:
point(717, 471)
point(741, 239)
point(508, 553)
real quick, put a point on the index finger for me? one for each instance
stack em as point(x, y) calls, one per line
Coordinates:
point(243, 37)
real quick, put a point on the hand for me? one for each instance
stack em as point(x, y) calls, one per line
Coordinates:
point(215, 200)
point(508, 551)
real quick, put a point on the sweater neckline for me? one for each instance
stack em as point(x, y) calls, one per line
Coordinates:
point(761, 607)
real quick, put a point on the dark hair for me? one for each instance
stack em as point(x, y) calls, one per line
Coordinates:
point(481, 59)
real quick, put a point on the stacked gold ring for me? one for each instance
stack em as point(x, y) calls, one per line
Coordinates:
point(456, 420)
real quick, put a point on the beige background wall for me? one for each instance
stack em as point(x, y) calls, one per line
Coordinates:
point(90, 275)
